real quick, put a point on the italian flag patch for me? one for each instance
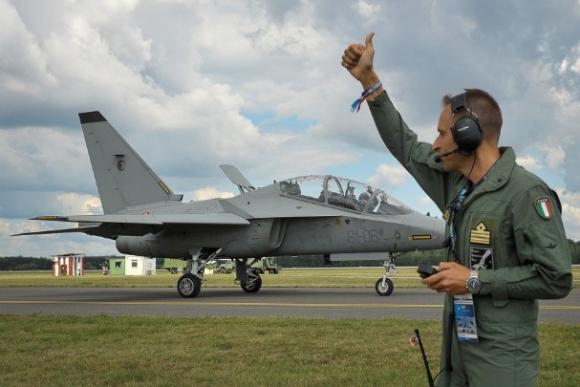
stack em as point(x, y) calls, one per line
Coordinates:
point(544, 208)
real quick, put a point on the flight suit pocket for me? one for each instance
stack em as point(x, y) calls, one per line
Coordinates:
point(500, 302)
point(506, 355)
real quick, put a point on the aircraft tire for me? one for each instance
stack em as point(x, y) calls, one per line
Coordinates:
point(252, 287)
point(188, 285)
point(384, 290)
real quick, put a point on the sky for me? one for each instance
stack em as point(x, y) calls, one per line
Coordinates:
point(258, 84)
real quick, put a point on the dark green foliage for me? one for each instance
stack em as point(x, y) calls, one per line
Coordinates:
point(33, 263)
point(410, 258)
point(25, 263)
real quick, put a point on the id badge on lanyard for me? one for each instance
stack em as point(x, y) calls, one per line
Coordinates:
point(465, 318)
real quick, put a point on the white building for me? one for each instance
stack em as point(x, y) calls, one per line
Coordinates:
point(135, 265)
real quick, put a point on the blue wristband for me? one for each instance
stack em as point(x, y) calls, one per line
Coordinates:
point(355, 106)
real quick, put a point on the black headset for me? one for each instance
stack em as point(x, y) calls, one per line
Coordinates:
point(466, 130)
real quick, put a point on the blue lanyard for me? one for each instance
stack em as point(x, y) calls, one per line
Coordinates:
point(454, 208)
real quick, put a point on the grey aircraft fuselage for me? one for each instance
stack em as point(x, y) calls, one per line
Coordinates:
point(300, 227)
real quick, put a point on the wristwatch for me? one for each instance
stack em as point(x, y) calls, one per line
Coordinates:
point(473, 284)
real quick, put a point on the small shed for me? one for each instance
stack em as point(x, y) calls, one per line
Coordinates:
point(136, 265)
point(117, 266)
point(68, 265)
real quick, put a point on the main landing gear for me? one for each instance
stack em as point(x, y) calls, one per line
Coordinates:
point(248, 277)
point(384, 285)
point(189, 284)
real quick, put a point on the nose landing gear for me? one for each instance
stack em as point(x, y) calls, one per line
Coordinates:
point(384, 285)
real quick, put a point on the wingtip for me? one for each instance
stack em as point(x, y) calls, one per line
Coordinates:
point(89, 117)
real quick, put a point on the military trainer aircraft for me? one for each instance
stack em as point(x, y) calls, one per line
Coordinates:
point(340, 218)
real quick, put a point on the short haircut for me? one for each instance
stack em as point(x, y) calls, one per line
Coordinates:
point(486, 109)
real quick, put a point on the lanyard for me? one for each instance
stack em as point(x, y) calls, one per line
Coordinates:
point(454, 208)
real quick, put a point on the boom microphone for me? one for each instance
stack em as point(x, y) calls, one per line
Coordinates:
point(439, 158)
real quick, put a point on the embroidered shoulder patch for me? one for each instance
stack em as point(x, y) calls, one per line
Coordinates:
point(544, 207)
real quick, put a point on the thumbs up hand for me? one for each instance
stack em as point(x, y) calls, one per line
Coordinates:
point(358, 60)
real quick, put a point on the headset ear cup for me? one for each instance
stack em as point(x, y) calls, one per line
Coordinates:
point(466, 134)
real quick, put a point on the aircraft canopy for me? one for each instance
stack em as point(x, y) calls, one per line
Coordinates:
point(345, 193)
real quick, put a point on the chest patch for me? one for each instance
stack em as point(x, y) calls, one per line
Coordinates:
point(480, 235)
point(544, 208)
point(481, 258)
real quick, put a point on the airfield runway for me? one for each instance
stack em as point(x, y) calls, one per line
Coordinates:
point(322, 303)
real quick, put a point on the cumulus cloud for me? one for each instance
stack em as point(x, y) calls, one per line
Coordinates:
point(553, 156)
point(36, 158)
point(73, 203)
point(527, 162)
point(46, 245)
point(388, 175)
point(367, 9)
point(570, 213)
point(210, 193)
point(571, 62)
point(184, 81)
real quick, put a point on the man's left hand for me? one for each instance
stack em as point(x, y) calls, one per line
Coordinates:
point(451, 279)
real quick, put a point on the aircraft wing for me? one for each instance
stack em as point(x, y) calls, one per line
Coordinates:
point(131, 224)
point(220, 218)
point(85, 229)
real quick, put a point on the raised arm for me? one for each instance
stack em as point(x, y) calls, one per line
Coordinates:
point(417, 157)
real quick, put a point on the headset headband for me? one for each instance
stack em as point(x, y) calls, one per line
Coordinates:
point(459, 102)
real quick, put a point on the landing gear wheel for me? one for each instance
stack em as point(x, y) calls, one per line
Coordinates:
point(252, 285)
point(188, 285)
point(384, 289)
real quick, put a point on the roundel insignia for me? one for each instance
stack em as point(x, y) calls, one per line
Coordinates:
point(544, 208)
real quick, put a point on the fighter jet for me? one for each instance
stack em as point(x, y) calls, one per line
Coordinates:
point(337, 217)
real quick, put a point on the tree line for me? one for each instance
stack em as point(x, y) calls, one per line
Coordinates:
point(21, 263)
point(410, 258)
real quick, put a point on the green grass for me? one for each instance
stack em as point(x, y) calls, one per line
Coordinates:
point(289, 278)
point(156, 351)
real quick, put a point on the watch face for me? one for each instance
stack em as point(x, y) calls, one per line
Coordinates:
point(473, 283)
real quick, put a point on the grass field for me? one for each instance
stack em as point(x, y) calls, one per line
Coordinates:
point(153, 351)
point(290, 278)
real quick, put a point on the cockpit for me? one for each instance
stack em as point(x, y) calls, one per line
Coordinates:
point(343, 193)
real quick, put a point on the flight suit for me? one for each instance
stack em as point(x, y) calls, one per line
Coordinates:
point(509, 227)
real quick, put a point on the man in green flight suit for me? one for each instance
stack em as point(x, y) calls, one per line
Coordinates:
point(507, 245)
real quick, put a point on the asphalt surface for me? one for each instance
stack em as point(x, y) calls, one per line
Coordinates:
point(320, 303)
